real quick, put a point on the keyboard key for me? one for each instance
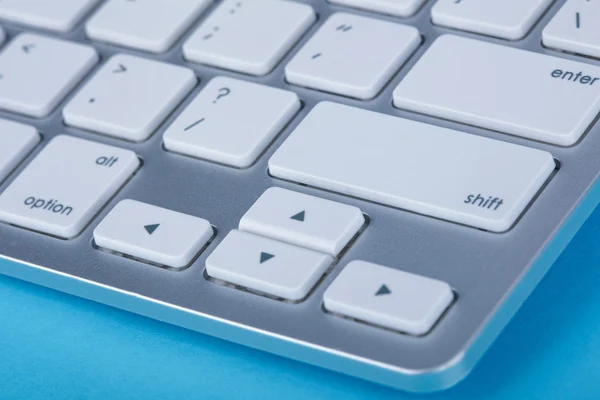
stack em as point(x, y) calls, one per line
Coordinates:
point(59, 16)
point(267, 266)
point(231, 122)
point(16, 141)
point(158, 24)
point(129, 97)
point(306, 221)
point(418, 167)
point(37, 72)
point(352, 55)
point(401, 8)
point(505, 89)
point(153, 234)
point(249, 36)
point(506, 19)
point(575, 28)
point(65, 186)
point(388, 297)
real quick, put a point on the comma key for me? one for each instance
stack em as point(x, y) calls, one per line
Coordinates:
point(62, 189)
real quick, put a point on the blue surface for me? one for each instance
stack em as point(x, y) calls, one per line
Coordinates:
point(55, 346)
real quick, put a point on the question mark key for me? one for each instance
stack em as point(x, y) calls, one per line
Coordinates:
point(238, 129)
point(223, 92)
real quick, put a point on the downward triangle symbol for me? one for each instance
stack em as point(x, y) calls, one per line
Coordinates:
point(151, 228)
point(383, 290)
point(264, 257)
point(299, 217)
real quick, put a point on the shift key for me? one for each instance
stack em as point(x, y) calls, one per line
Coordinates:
point(501, 88)
point(66, 185)
point(413, 166)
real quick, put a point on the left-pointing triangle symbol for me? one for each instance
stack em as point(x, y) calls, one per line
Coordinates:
point(299, 217)
point(151, 228)
point(383, 290)
point(264, 257)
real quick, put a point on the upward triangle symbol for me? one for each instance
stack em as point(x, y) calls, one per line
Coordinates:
point(383, 290)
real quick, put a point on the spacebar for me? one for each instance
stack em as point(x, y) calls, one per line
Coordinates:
point(417, 167)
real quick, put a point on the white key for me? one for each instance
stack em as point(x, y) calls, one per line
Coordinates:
point(60, 15)
point(16, 141)
point(37, 72)
point(401, 8)
point(129, 97)
point(514, 91)
point(506, 19)
point(414, 166)
point(153, 233)
point(266, 265)
point(62, 189)
point(158, 24)
point(575, 28)
point(231, 121)
point(306, 221)
point(249, 36)
point(352, 55)
point(388, 297)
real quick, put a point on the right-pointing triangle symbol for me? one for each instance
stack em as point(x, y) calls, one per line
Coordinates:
point(264, 257)
point(383, 290)
point(299, 217)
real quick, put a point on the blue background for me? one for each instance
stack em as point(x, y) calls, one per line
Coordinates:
point(55, 346)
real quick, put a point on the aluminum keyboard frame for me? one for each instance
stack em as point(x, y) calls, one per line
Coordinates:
point(492, 274)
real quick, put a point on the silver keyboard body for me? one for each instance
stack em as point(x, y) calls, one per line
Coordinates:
point(492, 273)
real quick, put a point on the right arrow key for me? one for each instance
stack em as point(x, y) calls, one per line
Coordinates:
point(405, 302)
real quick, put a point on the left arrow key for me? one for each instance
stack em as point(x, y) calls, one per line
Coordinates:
point(173, 243)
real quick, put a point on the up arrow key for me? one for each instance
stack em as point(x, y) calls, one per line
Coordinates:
point(383, 290)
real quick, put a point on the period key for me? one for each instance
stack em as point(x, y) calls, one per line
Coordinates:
point(62, 189)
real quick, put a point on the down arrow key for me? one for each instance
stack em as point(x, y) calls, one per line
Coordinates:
point(151, 228)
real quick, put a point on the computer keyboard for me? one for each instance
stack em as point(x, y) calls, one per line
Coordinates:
point(371, 186)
